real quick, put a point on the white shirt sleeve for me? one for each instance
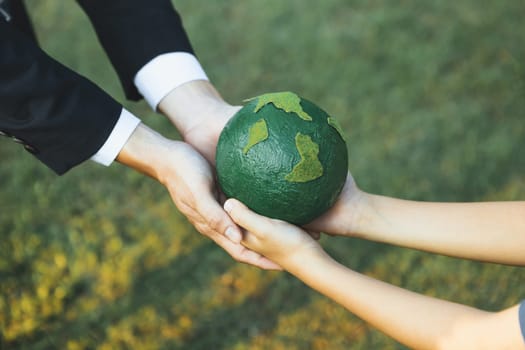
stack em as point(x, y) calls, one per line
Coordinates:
point(166, 72)
point(126, 124)
point(154, 81)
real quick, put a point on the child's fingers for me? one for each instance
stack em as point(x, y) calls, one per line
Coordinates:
point(247, 218)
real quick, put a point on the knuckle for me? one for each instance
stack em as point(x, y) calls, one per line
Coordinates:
point(237, 256)
point(185, 209)
point(215, 221)
point(202, 228)
point(241, 259)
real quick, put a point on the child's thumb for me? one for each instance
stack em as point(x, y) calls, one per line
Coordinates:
point(246, 218)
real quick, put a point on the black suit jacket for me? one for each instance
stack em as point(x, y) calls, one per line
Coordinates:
point(58, 115)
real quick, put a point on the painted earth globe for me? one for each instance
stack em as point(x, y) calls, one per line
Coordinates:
point(282, 156)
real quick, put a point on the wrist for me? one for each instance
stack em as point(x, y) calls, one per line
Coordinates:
point(305, 264)
point(360, 213)
point(349, 216)
point(370, 221)
point(300, 259)
point(187, 105)
point(144, 152)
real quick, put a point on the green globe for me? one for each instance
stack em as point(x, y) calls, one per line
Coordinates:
point(283, 157)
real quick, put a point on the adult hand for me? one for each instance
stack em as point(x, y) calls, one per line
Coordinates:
point(204, 135)
point(199, 113)
point(190, 182)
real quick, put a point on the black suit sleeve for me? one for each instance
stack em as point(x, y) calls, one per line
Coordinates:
point(60, 117)
point(133, 32)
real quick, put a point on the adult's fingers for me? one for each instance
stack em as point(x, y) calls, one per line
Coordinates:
point(217, 219)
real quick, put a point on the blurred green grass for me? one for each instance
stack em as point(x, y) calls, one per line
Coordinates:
point(431, 95)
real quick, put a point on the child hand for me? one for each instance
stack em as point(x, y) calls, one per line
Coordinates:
point(343, 217)
point(279, 241)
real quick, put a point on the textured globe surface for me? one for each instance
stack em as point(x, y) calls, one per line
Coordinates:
point(283, 156)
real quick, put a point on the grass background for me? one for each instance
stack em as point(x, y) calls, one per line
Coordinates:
point(431, 95)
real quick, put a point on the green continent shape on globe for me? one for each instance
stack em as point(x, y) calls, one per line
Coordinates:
point(335, 124)
point(287, 101)
point(309, 168)
point(258, 133)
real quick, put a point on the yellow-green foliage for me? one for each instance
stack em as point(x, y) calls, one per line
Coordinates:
point(101, 259)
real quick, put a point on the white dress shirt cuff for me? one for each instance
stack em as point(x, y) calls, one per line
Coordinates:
point(126, 124)
point(166, 72)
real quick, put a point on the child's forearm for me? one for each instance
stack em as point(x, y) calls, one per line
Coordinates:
point(415, 320)
point(488, 231)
